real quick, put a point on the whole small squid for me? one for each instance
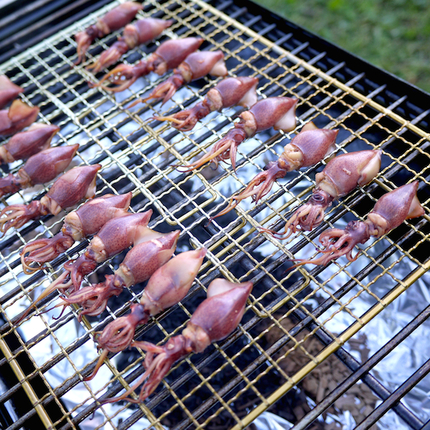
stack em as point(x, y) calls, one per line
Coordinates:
point(27, 143)
point(195, 66)
point(17, 117)
point(77, 184)
point(136, 34)
point(340, 176)
point(138, 266)
point(169, 55)
point(389, 212)
point(213, 320)
point(276, 112)
point(114, 237)
point(83, 222)
point(8, 91)
point(115, 19)
point(39, 169)
point(166, 287)
point(229, 92)
point(307, 148)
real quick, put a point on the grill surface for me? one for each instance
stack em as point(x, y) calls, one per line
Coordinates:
point(287, 309)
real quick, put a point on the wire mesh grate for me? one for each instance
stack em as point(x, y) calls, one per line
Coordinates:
point(237, 379)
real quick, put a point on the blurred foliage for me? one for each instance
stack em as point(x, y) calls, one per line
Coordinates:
point(391, 34)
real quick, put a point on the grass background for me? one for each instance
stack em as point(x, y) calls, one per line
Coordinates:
point(391, 34)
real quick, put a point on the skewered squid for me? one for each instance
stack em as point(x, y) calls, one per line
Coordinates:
point(77, 184)
point(213, 320)
point(276, 112)
point(169, 55)
point(27, 143)
point(195, 66)
point(340, 176)
point(389, 212)
point(229, 92)
point(81, 223)
point(39, 169)
point(307, 148)
point(136, 34)
point(8, 91)
point(166, 287)
point(115, 19)
point(17, 117)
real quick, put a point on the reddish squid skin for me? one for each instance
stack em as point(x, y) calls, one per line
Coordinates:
point(68, 190)
point(115, 236)
point(214, 319)
point(83, 222)
point(389, 212)
point(138, 266)
point(195, 66)
point(8, 91)
point(169, 55)
point(340, 176)
point(136, 34)
point(229, 92)
point(276, 112)
point(39, 169)
point(115, 19)
point(167, 287)
point(17, 117)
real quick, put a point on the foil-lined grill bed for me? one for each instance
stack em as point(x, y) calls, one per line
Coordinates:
point(235, 380)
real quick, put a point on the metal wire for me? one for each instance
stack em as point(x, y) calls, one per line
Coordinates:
point(137, 155)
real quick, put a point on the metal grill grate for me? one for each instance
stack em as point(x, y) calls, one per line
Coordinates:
point(232, 380)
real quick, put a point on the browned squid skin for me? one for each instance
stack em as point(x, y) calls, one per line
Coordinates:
point(340, 176)
point(39, 169)
point(75, 185)
point(307, 148)
point(213, 320)
point(276, 112)
point(115, 19)
point(115, 236)
point(169, 55)
point(389, 212)
point(138, 266)
point(8, 91)
point(229, 92)
point(167, 287)
point(195, 66)
point(81, 223)
point(23, 145)
point(17, 117)
point(136, 34)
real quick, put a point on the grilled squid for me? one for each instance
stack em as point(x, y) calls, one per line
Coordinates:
point(138, 266)
point(389, 212)
point(229, 92)
point(83, 222)
point(115, 19)
point(213, 320)
point(114, 237)
point(136, 34)
point(276, 112)
point(68, 190)
point(166, 287)
point(17, 117)
point(27, 143)
point(169, 55)
point(195, 66)
point(8, 91)
point(309, 147)
point(340, 176)
point(39, 169)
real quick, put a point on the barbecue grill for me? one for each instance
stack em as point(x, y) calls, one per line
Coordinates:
point(239, 378)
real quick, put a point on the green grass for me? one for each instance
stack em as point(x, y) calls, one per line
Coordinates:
point(394, 35)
